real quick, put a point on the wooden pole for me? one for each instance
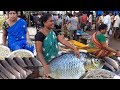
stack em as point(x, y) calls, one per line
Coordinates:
point(29, 22)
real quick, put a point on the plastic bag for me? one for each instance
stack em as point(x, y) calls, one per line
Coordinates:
point(79, 32)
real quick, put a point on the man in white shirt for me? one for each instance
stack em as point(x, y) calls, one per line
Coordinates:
point(107, 21)
point(116, 27)
point(73, 27)
point(90, 18)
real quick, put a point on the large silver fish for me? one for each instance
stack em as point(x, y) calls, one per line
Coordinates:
point(91, 62)
point(66, 66)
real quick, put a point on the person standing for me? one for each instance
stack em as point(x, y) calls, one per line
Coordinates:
point(107, 21)
point(73, 27)
point(84, 19)
point(116, 27)
point(90, 18)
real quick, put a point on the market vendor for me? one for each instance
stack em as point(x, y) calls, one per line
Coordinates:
point(98, 40)
point(15, 32)
point(46, 42)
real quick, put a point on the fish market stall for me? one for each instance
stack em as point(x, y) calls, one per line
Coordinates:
point(22, 64)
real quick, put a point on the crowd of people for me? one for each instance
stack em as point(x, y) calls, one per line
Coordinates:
point(47, 36)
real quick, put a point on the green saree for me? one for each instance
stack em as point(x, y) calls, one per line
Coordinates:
point(50, 46)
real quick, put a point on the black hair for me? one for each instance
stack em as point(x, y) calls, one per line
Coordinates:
point(102, 26)
point(44, 18)
point(70, 14)
point(106, 12)
point(15, 11)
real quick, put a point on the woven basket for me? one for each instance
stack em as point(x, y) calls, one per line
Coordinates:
point(99, 74)
point(4, 52)
point(21, 53)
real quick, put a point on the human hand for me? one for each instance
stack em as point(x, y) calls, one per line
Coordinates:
point(118, 53)
point(45, 71)
point(28, 42)
point(76, 51)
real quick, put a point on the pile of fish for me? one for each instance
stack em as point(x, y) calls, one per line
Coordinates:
point(21, 53)
point(18, 68)
point(101, 74)
point(21, 64)
point(4, 52)
point(64, 66)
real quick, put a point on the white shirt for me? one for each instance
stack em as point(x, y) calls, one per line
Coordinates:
point(101, 18)
point(90, 18)
point(94, 13)
point(107, 21)
point(73, 23)
point(59, 21)
point(117, 21)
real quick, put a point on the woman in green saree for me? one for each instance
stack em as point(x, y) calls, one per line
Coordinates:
point(98, 41)
point(46, 42)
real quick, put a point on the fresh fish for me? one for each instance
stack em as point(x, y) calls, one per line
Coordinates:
point(3, 76)
point(35, 62)
point(17, 67)
point(100, 74)
point(90, 62)
point(27, 61)
point(10, 69)
point(66, 66)
point(21, 53)
point(6, 72)
point(22, 64)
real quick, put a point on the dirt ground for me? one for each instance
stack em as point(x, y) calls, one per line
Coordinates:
point(115, 44)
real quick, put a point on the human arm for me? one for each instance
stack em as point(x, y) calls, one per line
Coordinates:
point(67, 44)
point(27, 37)
point(105, 46)
point(102, 40)
point(39, 49)
point(4, 37)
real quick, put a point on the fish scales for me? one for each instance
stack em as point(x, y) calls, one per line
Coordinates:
point(66, 66)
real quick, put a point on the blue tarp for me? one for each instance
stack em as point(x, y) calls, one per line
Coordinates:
point(98, 13)
point(114, 12)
